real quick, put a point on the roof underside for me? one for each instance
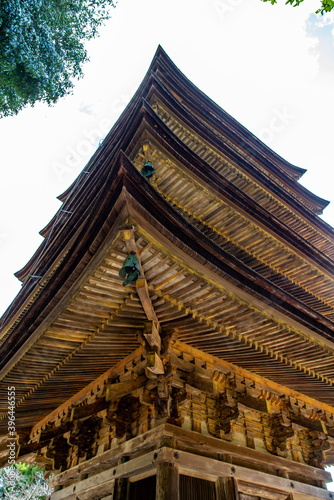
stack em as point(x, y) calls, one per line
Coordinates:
point(199, 298)
point(235, 259)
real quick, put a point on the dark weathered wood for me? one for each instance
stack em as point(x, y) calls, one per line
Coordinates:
point(202, 384)
point(121, 389)
point(183, 437)
point(252, 456)
point(217, 201)
point(227, 489)
point(261, 491)
point(121, 489)
point(138, 465)
point(97, 492)
point(29, 448)
point(200, 465)
point(3, 461)
point(253, 403)
point(53, 432)
point(89, 389)
point(111, 456)
point(309, 423)
point(91, 409)
point(167, 481)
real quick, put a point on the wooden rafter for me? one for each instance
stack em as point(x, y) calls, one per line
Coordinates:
point(246, 235)
point(141, 283)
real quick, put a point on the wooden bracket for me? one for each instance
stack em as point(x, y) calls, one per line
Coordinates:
point(146, 150)
point(153, 338)
point(154, 364)
point(120, 389)
point(144, 396)
point(151, 334)
point(141, 284)
point(128, 237)
point(143, 294)
point(195, 383)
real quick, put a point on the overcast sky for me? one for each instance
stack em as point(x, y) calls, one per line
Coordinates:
point(270, 67)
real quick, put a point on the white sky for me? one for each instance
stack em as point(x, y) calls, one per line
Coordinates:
point(270, 67)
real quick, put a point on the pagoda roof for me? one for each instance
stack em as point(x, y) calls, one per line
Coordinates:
point(234, 288)
point(201, 106)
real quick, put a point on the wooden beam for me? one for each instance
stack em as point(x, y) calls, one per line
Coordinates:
point(252, 403)
point(121, 489)
point(311, 424)
point(264, 382)
point(4, 446)
point(143, 294)
point(227, 489)
point(141, 283)
point(29, 448)
point(152, 334)
point(82, 394)
point(253, 456)
point(167, 482)
point(98, 491)
point(154, 364)
point(202, 384)
point(128, 237)
point(137, 465)
point(209, 445)
point(264, 492)
point(91, 409)
point(120, 389)
point(203, 465)
point(3, 461)
point(168, 462)
point(48, 434)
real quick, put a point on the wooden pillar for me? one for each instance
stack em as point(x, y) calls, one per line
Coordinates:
point(167, 482)
point(121, 489)
point(227, 489)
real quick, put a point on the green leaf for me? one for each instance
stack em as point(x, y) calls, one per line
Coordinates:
point(42, 48)
point(326, 5)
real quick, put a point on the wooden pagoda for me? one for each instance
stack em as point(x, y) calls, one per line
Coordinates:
point(210, 375)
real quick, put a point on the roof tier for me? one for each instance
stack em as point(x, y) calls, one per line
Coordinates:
point(235, 258)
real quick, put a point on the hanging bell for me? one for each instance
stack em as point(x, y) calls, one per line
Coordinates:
point(148, 170)
point(130, 269)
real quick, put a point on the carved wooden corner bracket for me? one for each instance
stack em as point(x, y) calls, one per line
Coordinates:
point(152, 328)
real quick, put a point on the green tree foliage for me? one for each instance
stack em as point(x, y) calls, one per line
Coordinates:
point(23, 482)
point(42, 48)
point(326, 5)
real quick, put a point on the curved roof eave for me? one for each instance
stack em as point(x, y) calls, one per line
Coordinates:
point(125, 183)
point(225, 118)
point(256, 149)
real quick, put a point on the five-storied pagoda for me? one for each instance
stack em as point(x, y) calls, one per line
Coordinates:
point(173, 338)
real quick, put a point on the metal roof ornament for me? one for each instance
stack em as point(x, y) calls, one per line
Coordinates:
point(148, 170)
point(130, 269)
